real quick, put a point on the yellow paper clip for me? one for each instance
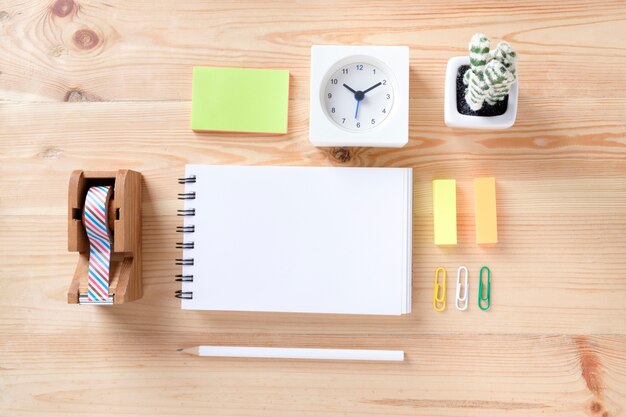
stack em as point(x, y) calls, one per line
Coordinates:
point(439, 296)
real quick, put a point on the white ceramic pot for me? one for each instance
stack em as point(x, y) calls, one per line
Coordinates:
point(452, 116)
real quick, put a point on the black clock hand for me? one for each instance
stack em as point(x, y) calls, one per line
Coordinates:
point(371, 88)
point(353, 92)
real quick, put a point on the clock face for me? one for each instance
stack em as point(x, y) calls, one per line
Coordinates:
point(358, 96)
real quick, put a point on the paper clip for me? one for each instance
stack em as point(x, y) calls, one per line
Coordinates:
point(439, 300)
point(462, 302)
point(487, 295)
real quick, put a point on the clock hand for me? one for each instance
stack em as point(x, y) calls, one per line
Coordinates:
point(371, 88)
point(358, 95)
point(346, 85)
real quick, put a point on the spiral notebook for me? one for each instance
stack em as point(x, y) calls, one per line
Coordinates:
point(296, 239)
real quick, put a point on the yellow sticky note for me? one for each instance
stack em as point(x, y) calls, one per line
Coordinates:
point(444, 211)
point(485, 206)
point(239, 100)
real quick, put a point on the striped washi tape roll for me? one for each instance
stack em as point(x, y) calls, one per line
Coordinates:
point(95, 220)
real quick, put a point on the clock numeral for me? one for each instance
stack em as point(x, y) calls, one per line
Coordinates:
point(384, 82)
point(344, 71)
point(358, 124)
point(373, 121)
point(374, 69)
point(359, 67)
point(330, 95)
point(333, 81)
point(343, 120)
point(384, 110)
point(388, 96)
point(332, 110)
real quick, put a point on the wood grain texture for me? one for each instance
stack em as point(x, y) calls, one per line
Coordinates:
point(106, 85)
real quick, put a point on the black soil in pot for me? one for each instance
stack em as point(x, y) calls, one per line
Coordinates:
point(461, 105)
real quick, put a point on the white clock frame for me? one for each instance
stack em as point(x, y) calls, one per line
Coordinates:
point(393, 132)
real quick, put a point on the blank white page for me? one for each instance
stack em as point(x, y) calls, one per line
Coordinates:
point(300, 239)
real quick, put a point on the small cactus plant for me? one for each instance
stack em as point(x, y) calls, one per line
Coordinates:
point(491, 74)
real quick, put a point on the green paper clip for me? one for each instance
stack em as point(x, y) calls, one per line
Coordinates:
point(487, 296)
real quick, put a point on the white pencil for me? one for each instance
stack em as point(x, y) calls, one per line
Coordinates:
point(296, 353)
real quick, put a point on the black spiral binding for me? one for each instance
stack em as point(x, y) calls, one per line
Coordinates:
point(187, 180)
point(184, 278)
point(187, 196)
point(185, 295)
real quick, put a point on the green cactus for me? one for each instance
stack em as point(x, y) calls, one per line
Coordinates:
point(491, 74)
point(506, 54)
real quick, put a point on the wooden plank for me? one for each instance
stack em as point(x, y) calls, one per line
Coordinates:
point(551, 198)
point(583, 292)
point(441, 376)
point(89, 50)
point(61, 133)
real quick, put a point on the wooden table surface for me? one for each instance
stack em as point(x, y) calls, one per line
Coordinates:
point(107, 85)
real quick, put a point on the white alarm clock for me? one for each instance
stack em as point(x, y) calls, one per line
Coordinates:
point(359, 96)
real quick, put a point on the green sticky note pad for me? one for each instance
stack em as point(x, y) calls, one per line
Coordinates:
point(240, 100)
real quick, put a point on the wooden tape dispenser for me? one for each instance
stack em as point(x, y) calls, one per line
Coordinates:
point(104, 227)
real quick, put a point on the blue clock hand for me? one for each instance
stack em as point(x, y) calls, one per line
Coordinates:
point(359, 95)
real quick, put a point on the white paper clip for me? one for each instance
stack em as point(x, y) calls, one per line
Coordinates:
point(462, 302)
